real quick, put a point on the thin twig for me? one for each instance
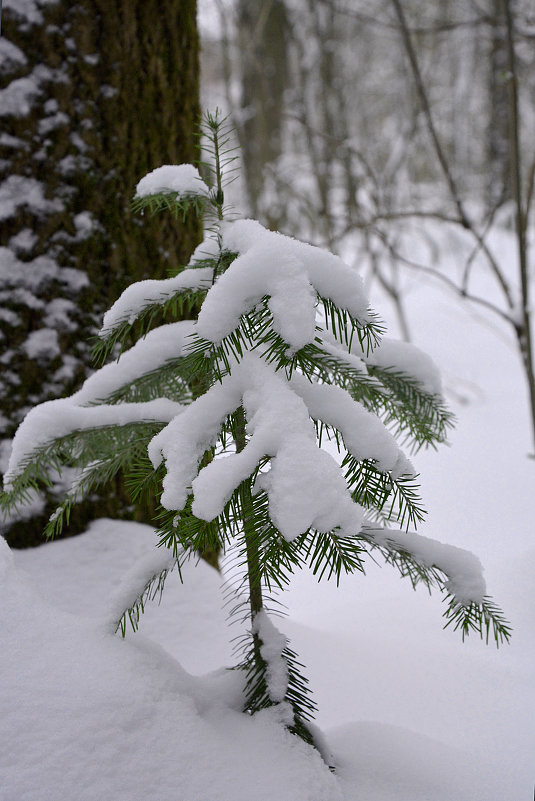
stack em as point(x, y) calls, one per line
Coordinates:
point(441, 156)
point(423, 268)
point(523, 329)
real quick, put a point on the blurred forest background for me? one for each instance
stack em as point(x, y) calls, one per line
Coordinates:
point(397, 133)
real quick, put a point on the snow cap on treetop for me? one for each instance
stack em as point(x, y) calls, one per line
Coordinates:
point(184, 179)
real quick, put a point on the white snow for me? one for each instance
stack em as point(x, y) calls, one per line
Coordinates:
point(24, 240)
point(6, 140)
point(290, 272)
point(21, 279)
point(273, 644)
point(30, 10)
point(184, 179)
point(85, 224)
point(305, 486)
point(18, 190)
point(70, 165)
point(108, 91)
point(10, 317)
point(11, 56)
point(463, 568)
point(143, 293)
point(407, 358)
point(157, 347)
point(135, 580)
point(365, 436)
point(417, 714)
point(58, 313)
point(17, 99)
point(87, 716)
point(42, 344)
point(58, 418)
point(48, 124)
point(407, 711)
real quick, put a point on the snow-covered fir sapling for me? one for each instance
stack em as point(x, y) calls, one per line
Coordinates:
point(226, 417)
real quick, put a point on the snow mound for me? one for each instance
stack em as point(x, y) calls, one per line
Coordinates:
point(86, 715)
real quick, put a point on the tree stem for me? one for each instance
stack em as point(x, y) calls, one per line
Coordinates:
point(253, 558)
point(524, 328)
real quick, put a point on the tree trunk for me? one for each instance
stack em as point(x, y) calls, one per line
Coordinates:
point(499, 154)
point(98, 93)
point(263, 30)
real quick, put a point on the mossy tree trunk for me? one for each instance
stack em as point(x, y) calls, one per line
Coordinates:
point(96, 94)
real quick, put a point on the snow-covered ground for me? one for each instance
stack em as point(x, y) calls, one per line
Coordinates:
point(410, 712)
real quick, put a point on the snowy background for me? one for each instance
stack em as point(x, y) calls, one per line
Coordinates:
point(410, 712)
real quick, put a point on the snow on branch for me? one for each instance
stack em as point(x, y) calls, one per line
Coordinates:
point(423, 559)
point(365, 436)
point(403, 357)
point(305, 486)
point(143, 582)
point(463, 570)
point(58, 418)
point(138, 296)
point(181, 179)
point(154, 350)
point(293, 274)
point(273, 644)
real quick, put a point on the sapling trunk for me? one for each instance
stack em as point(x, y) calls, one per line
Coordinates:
point(253, 559)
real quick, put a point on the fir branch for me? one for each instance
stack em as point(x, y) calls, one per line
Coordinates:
point(393, 497)
point(173, 379)
point(397, 498)
point(277, 558)
point(331, 554)
point(179, 205)
point(483, 619)
point(217, 143)
point(257, 693)
point(183, 531)
point(343, 326)
point(142, 480)
point(411, 411)
point(412, 414)
point(179, 305)
point(106, 449)
point(255, 332)
point(152, 589)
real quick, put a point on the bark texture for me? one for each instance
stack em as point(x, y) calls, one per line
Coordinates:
point(263, 63)
point(96, 93)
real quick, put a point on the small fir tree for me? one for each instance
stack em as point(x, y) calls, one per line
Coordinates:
point(225, 417)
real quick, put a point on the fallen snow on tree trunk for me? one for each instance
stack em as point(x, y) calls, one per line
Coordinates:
point(273, 644)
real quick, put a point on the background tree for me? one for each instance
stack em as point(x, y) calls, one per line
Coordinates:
point(405, 130)
point(94, 94)
point(262, 30)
